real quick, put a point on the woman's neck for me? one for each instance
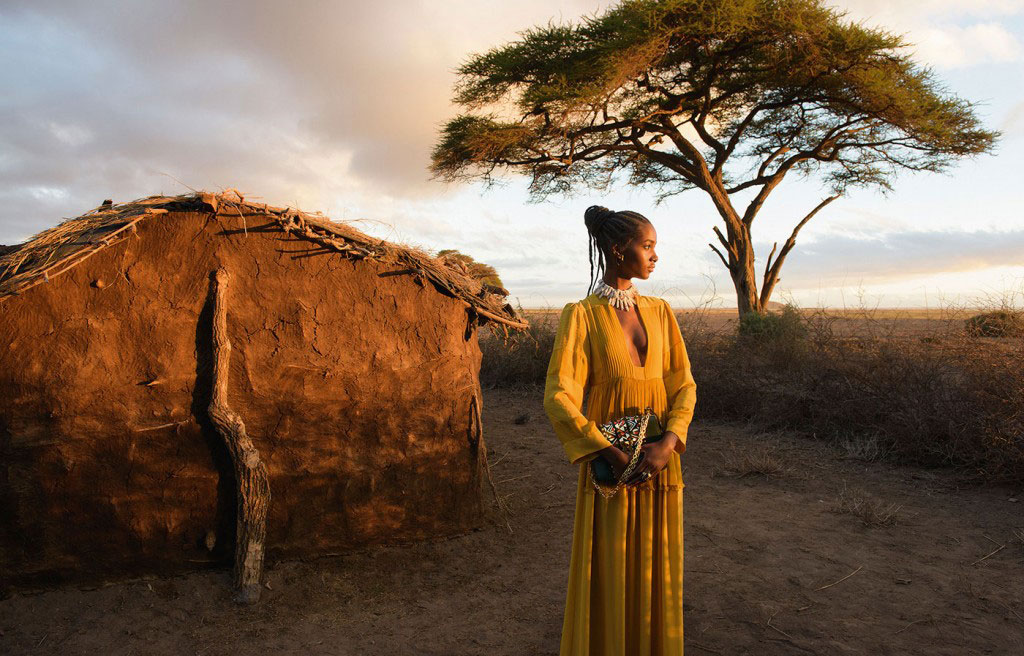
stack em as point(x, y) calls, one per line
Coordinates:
point(613, 280)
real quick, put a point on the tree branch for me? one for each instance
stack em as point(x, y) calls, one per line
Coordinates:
point(828, 141)
point(698, 125)
point(768, 264)
point(731, 248)
point(683, 168)
point(771, 276)
point(688, 150)
point(720, 256)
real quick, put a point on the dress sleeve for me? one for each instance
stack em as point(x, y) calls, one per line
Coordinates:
point(564, 387)
point(680, 388)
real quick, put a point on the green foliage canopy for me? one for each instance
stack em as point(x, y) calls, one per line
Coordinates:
point(670, 91)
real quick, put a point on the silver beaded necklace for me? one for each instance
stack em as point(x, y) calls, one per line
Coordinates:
point(620, 298)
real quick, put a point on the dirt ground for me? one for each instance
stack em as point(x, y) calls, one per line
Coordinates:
point(792, 547)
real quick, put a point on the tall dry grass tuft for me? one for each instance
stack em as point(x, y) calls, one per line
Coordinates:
point(521, 359)
point(935, 396)
point(740, 463)
point(870, 510)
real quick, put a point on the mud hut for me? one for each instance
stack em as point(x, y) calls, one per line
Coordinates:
point(344, 370)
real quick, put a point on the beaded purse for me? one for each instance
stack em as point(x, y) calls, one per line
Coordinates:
point(628, 433)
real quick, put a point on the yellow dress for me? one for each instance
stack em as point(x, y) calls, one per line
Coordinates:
point(625, 592)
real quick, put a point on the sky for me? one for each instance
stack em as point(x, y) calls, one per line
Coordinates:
point(334, 107)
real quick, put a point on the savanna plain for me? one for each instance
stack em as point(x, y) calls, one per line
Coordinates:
point(854, 486)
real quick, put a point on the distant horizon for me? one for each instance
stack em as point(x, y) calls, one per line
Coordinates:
point(732, 309)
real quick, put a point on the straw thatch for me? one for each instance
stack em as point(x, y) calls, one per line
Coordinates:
point(58, 249)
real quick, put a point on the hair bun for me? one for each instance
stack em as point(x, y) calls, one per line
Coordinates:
point(595, 215)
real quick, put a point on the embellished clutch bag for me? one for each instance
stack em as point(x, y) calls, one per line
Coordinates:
point(628, 433)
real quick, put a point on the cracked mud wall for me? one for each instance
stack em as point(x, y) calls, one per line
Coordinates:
point(356, 389)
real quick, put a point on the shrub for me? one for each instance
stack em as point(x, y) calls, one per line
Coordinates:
point(787, 324)
point(780, 337)
point(1001, 323)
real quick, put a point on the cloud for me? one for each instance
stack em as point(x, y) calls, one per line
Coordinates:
point(901, 14)
point(946, 33)
point(300, 102)
point(951, 46)
point(836, 259)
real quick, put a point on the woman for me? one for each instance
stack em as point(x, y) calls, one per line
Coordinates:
point(624, 352)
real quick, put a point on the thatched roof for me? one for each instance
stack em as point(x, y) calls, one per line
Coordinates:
point(58, 249)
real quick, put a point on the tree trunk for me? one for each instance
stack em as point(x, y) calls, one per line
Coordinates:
point(744, 280)
point(251, 483)
point(739, 246)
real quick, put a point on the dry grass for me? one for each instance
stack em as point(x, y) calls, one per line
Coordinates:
point(763, 461)
point(949, 401)
point(868, 448)
point(869, 510)
point(521, 359)
point(919, 390)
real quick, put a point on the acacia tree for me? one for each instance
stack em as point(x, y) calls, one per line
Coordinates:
point(725, 96)
point(485, 273)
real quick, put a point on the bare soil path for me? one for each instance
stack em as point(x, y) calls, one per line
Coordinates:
point(791, 548)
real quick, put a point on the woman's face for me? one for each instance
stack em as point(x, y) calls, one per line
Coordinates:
point(638, 255)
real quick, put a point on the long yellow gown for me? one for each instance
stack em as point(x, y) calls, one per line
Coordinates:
point(625, 592)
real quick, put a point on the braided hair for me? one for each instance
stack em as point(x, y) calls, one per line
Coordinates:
point(606, 229)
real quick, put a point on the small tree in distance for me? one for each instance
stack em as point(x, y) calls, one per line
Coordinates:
point(485, 273)
point(725, 96)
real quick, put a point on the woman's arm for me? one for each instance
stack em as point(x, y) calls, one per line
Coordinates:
point(564, 387)
point(680, 387)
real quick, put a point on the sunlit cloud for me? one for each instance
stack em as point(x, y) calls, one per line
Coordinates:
point(947, 33)
point(898, 255)
point(300, 103)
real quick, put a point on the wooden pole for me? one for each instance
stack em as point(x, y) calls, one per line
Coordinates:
point(251, 484)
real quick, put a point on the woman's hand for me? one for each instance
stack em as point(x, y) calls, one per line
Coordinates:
point(653, 458)
point(617, 459)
